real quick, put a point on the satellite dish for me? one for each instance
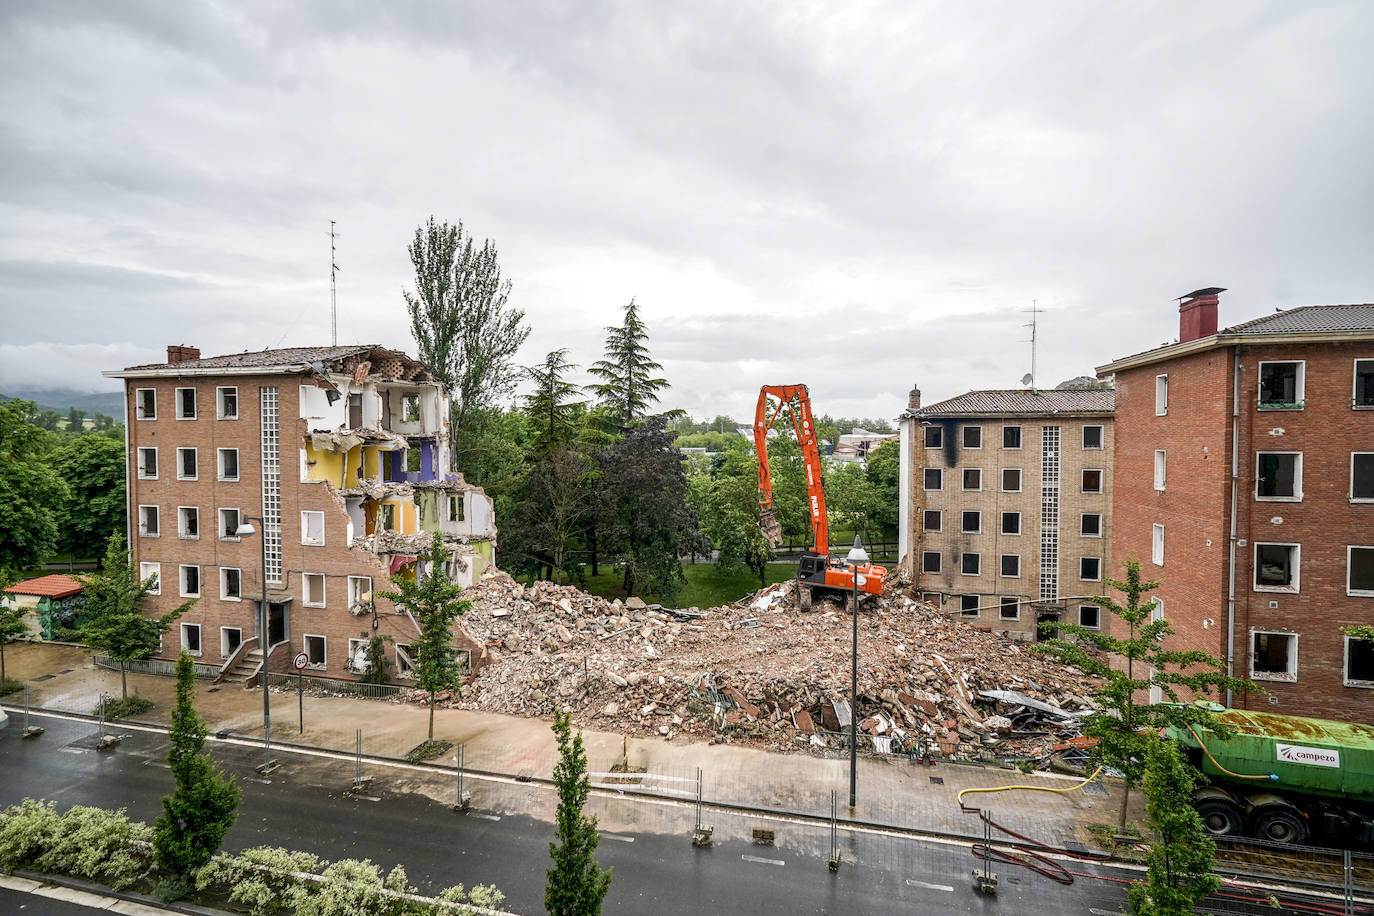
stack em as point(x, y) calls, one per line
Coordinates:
point(1027, 379)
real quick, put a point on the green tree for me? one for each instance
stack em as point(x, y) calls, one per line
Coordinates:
point(552, 407)
point(1124, 727)
point(76, 421)
point(93, 469)
point(434, 602)
point(576, 884)
point(629, 386)
point(31, 492)
point(883, 466)
point(851, 500)
point(727, 503)
point(555, 504)
point(465, 329)
point(114, 601)
point(12, 626)
point(204, 803)
point(374, 657)
point(1179, 864)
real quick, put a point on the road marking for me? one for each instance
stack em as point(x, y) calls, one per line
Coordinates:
point(265, 782)
point(612, 836)
point(763, 861)
point(485, 817)
point(1096, 912)
point(157, 763)
point(930, 887)
point(72, 750)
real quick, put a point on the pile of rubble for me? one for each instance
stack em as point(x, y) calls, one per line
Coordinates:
point(766, 673)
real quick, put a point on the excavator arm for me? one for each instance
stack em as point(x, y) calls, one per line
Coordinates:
point(795, 400)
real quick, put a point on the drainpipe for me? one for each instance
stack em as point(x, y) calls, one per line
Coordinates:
point(1231, 572)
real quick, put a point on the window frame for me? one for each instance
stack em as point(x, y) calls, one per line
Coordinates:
point(939, 562)
point(224, 594)
point(143, 575)
point(181, 462)
point(1157, 544)
point(1020, 438)
point(306, 578)
point(1355, 384)
point(224, 650)
point(323, 664)
point(1353, 498)
point(199, 650)
point(939, 435)
point(926, 518)
point(1003, 525)
point(1297, 478)
point(1082, 527)
point(1346, 679)
point(305, 528)
point(1295, 565)
point(353, 600)
point(1350, 569)
point(969, 612)
point(138, 404)
point(1002, 605)
point(142, 521)
point(181, 580)
point(925, 480)
point(180, 404)
point(219, 464)
point(1299, 388)
point(1019, 480)
point(142, 465)
point(1097, 617)
point(1101, 437)
point(1289, 676)
point(964, 518)
point(1162, 395)
point(220, 413)
point(457, 509)
point(1083, 482)
point(1082, 561)
point(183, 517)
point(1161, 465)
point(221, 528)
point(405, 649)
point(383, 511)
point(354, 643)
point(963, 565)
point(1002, 566)
point(963, 478)
point(964, 430)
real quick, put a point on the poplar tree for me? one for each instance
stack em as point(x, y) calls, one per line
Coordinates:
point(205, 802)
point(576, 884)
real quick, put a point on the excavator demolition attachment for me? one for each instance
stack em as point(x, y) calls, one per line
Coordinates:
point(771, 527)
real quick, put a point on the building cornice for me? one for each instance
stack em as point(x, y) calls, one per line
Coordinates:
point(1215, 341)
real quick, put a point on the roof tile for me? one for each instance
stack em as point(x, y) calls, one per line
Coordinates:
point(47, 586)
point(1022, 402)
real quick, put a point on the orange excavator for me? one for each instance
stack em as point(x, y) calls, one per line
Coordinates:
point(817, 571)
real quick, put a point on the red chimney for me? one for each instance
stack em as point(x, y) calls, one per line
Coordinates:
point(180, 353)
point(1197, 313)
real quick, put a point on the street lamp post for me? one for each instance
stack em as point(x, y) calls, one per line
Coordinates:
point(246, 530)
point(856, 555)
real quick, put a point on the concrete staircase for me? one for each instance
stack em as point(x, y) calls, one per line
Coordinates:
point(243, 668)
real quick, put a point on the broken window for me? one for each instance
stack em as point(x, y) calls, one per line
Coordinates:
point(1157, 546)
point(1009, 608)
point(312, 589)
point(230, 583)
point(357, 656)
point(973, 436)
point(359, 591)
point(147, 463)
point(355, 411)
point(930, 561)
point(1276, 567)
point(1011, 566)
point(227, 403)
point(412, 459)
point(190, 581)
point(1161, 395)
point(1359, 578)
point(152, 571)
point(1359, 662)
point(1281, 384)
point(1092, 437)
point(188, 522)
point(1274, 656)
point(1089, 616)
point(147, 522)
point(229, 524)
point(934, 479)
point(312, 529)
point(968, 605)
point(1011, 522)
point(973, 478)
point(1011, 480)
point(1278, 475)
point(1090, 525)
point(1159, 469)
point(190, 637)
point(410, 408)
point(145, 403)
point(972, 523)
point(405, 661)
point(1362, 476)
point(228, 464)
point(186, 403)
point(1092, 481)
point(1364, 383)
point(1011, 437)
point(931, 520)
point(187, 464)
point(934, 436)
point(315, 656)
point(1090, 568)
point(456, 513)
point(230, 638)
point(970, 564)
point(388, 516)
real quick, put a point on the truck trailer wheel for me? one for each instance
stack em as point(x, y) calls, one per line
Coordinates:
point(1220, 814)
point(1280, 824)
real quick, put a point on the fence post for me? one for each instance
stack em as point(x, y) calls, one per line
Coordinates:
point(834, 861)
point(701, 834)
point(359, 782)
point(102, 714)
point(1348, 867)
point(464, 799)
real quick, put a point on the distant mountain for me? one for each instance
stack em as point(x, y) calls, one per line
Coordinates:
point(110, 403)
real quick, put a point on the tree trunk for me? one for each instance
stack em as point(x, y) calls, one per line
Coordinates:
point(124, 680)
point(2, 662)
point(1125, 801)
point(431, 716)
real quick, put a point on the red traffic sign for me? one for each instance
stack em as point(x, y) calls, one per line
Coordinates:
point(302, 660)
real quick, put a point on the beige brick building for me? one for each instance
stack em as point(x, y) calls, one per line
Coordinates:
point(1006, 505)
point(341, 452)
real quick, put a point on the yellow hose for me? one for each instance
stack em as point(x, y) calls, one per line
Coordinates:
point(963, 792)
point(1218, 765)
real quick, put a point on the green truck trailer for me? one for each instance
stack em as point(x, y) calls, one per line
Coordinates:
point(1288, 779)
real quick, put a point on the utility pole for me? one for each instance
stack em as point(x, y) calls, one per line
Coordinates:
point(1035, 311)
point(333, 294)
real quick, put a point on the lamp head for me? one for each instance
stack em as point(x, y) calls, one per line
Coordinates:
point(244, 530)
point(857, 554)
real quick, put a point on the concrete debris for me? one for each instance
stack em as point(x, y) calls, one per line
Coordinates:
point(927, 684)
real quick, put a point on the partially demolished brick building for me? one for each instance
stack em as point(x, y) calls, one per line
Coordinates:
point(341, 456)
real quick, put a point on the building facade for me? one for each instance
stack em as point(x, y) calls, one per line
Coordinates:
point(339, 455)
point(1006, 505)
point(1245, 484)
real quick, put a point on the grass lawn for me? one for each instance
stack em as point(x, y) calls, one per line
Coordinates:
point(706, 585)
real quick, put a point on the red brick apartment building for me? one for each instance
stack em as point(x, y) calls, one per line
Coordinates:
point(1245, 483)
point(343, 451)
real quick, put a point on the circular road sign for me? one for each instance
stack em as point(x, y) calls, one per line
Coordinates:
point(301, 661)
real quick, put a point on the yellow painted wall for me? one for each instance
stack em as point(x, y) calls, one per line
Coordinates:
point(323, 465)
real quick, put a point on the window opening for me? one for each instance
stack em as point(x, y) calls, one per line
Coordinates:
point(1090, 569)
point(1364, 383)
point(1091, 525)
point(1276, 567)
point(1280, 385)
point(973, 478)
point(1092, 437)
point(1092, 481)
point(230, 583)
point(456, 511)
point(1011, 480)
point(228, 464)
point(970, 564)
point(312, 587)
point(972, 523)
point(315, 651)
point(1359, 578)
point(1011, 566)
point(1278, 475)
point(153, 571)
point(186, 403)
point(934, 436)
point(1362, 475)
point(1157, 546)
point(190, 637)
point(146, 403)
point(147, 463)
point(1089, 616)
point(1011, 437)
point(934, 479)
point(1274, 656)
point(188, 522)
point(930, 520)
point(312, 528)
point(1359, 662)
point(930, 561)
point(973, 436)
point(968, 605)
point(1009, 608)
point(1011, 522)
point(1161, 395)
point(228, 407)
point(147, 521)
point(190, 581)
point(1159, 468)
point(186, 464)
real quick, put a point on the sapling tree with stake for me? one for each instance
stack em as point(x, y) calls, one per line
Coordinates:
point(576, 883)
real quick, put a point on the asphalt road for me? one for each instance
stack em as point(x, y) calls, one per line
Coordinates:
point(305, 805)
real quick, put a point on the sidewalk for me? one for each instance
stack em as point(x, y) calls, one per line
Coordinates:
point(891, 791)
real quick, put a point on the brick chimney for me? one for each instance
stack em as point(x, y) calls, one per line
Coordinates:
point(913, 399)
point(180, 353)
point(1197, 313)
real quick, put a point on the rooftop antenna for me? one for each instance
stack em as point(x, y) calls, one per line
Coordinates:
point(333, 289)
point(1035, 311)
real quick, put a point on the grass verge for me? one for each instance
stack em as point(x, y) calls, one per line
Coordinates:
point(123, 708)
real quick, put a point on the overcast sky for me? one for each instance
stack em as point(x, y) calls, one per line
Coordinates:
point(857, 196)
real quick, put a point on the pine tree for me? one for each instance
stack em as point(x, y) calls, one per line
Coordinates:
point(552, 407)
point(205, 802)
point(576, 884)
point(629, 387)
point(1179, 864)
point(435, 603)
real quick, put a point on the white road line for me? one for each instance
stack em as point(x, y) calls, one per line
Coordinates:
point(763, 861)
point(485, 817)
point(930, 887)
point(1096, 912)
point(612, 836)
